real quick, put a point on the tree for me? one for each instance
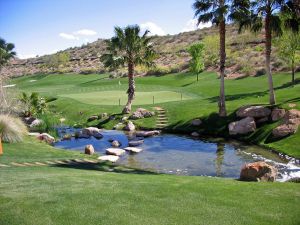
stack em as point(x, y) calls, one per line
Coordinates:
point(289, 49)
point(256, 14)
point(58, 59)
point(197, 62)
point(212, 49)
point(216, 11)
point(128, 48)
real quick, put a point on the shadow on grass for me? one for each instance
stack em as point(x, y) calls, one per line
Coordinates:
point(105, 167)
point(239, 96)
point(92, 81)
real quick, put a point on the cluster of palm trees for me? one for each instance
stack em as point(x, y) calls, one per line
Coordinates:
point(128, 48)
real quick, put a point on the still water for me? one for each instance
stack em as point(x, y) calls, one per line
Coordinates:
point(183, 155)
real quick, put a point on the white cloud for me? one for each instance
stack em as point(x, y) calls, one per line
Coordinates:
point(192, 25)
point(85, 32)
point(68, 36)
point(153, 28)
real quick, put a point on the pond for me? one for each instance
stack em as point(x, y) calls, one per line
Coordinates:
point(183, 155)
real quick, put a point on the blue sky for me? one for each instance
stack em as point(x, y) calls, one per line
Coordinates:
point(39, 27)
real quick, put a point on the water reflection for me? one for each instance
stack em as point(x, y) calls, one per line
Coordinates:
point(219, 158)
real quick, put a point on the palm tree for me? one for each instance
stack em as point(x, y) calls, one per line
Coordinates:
point(216, 11)
point(255, 15)
point(6, 52)
point(128, 48)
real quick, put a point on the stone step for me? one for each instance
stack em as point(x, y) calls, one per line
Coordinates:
point(40, 164)
point(17, 164)
point(29, 164)
point(4, 165)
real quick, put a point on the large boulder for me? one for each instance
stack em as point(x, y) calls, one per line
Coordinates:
point(242, 126)
point(147, 133)
point(115, 151)
point(289, 125)
point(277, 114)
point(253, 111)
point(129, 126)
point(46, 138)
point(141, 113)
point(258, 171)
point(89, 150)
point(92, 131)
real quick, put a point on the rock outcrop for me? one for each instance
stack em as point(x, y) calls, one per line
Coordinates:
point(242, 126)
point(277, 114)
point(141, 113)
point(258, 171)
point(290, 124)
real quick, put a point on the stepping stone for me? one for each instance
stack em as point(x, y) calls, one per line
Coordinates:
point(78, 160)
point(90, 161)
point(50, 162)
point(3, 165)
point(60, 162)
point(28, 164)
point(115, 151)
point(17, 164)
point(133, 149)
point(110, 158)
point(135, 143)
point(40, 164)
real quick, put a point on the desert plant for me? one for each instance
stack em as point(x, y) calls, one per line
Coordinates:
point(128, 48)
point(12, 129)
point(33, 104)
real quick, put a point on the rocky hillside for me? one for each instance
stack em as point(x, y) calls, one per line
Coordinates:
point(245, 54)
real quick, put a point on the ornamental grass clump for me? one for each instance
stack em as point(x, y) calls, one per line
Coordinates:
point(12, 129)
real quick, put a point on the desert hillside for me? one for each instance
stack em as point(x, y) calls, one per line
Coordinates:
point(245, 56)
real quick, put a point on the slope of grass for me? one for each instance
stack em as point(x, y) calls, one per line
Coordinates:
point(250, 90)
point(87, 195)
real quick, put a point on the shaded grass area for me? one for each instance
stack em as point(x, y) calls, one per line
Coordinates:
point(82, 196)
point(250, 90)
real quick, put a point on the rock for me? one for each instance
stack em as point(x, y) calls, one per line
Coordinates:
point(36, 122)
point(294, 180)
point(67, 137)
point(110, 158)
point(129, 126)
point(89, 150)
point(284, 130)
point(124, 119)
point(277, 114)
point(118, 126)
point(135, 143)
point(92, 118)
point(46, 137)
point(115, 151)
point(253, 111)
point(103, 115)
point(290, 124)
point(92, 131)
point(196, 122)
point(115, 143)
point(133, 149)
point(195, 134)
point(242, 126)
point(262, 120)
point(292, 105)
point(258, 171)
point(141, 113)
point(79, 134)
point(147, 133)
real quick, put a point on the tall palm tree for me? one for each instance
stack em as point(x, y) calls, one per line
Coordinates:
point(216, 11)
point(129, 48)
point(256, 15)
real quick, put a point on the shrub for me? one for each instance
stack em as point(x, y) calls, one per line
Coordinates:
point(12, 129)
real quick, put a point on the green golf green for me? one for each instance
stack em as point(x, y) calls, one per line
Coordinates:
point(120, 97)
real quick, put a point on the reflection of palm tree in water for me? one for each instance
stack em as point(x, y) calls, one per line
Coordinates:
point(219, 159)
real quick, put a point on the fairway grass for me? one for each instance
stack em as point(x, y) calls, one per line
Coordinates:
point(116, 97)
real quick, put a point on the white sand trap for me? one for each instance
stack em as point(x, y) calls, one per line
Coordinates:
point(10, 85)
point(32, 80)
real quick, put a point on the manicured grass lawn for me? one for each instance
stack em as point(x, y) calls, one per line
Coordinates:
point(88, 195)
point(113, 97)
point(85, 94)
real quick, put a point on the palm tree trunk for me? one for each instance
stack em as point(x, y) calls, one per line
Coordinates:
point(131, 88)
point(222, 106)
point(268, 36)
point(1, 148)
point(293, 72)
